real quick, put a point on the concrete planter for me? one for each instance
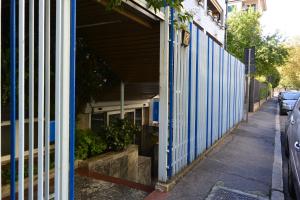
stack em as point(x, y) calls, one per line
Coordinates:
point(125, 164)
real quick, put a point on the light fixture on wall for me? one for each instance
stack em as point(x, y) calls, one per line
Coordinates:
point(186, 37)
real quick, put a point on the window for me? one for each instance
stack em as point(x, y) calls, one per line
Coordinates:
point(215, 10)
point(113, 118)
point(130, 116)
point(138, 117)
point(98, 121)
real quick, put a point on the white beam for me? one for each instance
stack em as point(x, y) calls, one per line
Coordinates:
point(65, 99)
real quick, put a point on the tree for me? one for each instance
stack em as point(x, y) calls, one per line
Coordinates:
point(93, 75)
point(290, 72)
point(244, 30)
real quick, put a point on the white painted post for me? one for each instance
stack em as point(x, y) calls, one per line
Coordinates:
point(31, 100)
point(164, 99)
point(41, 99)
point(65, 99)
point(47, 97)
point(122, 95)
point(21, 97)
point(57, 98)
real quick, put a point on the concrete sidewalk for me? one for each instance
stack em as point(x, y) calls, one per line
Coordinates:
point(242, 161)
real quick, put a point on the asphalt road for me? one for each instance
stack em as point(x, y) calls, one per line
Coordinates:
point(284, 159)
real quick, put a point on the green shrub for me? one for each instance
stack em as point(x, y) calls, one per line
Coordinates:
point(120, 134)
point(88, 144)
point(263, 92)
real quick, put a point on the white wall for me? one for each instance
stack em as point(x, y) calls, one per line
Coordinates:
point(204, 20)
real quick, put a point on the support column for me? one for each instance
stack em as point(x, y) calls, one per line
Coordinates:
point(122, 99)
point(163, 97)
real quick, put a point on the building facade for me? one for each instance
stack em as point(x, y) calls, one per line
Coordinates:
point(257, 5)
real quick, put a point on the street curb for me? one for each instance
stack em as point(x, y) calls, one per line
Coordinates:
point(277, 182)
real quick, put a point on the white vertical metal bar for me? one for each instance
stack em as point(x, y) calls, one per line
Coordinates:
point(58, 47)
point(175, 125)
point(47, 95)
point(31, 101)
point(0, 99)
point(164, 98)
point(21, 97)
point(41, 98)
point(65, 99)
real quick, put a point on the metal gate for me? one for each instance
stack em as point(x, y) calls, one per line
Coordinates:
point(206, 94)
point(23, 43)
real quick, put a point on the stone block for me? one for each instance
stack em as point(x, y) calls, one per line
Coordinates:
point(144, 170)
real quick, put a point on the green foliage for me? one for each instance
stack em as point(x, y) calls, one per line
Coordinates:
point(290, 72)
point(264, 92)
point(179, 23)
point(88, 144)
point(93, 75)
point(120, 134)
point(274, 78)
point(244, 30)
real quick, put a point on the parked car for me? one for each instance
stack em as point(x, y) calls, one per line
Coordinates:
point(293, 150)
point(288, 101)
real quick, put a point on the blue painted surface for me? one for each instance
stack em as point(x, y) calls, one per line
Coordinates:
point(155, 113)
point(171, 74)
point(197, 81)
point(72, 98)
point(212, 95)
point(189, 98)
point(12, 97)
point(52, 131)
point(207, 90)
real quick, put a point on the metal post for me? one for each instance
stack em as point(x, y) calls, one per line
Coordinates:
point(171, 90)
point(72, 97)
point(122, 99)
point(12, 97)
point(248, 85)
point(41, 98)
point(21, 98)
point(58, 43)
point(65, 99)
point(47, 96)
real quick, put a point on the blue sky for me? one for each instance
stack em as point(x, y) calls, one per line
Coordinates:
point(282, 16)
